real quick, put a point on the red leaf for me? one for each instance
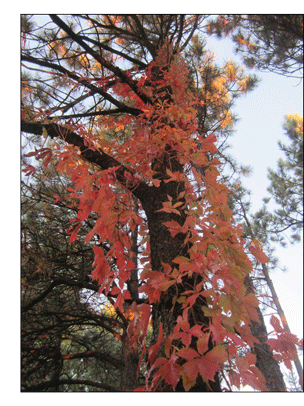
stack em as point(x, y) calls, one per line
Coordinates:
point(33, 153)
point(145, 313)
point(154, 349)
point(115, 291)
point(187, 353)
point(126, 294)
point(184, 325)
point(208, 369)
point(156, 182)
point(174, 227)
point(217, 354)
point(119, 302)
point(196, 330)
point(190, 369)
point(102, 266)
point(251, 304)
point(202, 343)
point(29, 170)
point(73, 230)
point(57, 197)
point(212, 361)
point(173, 375)
point(259, 255)
point(169, 370)
point(140, 389)
point(274, 321)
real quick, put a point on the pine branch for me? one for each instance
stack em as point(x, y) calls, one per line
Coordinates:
point(99, 58)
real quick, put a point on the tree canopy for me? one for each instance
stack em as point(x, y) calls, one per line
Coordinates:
point(286, 187)
point(269, 42)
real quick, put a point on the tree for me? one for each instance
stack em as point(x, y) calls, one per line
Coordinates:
point(69, 341)
point(256, 236)
point(269, 42)
point(116, 91)
point(286, 188)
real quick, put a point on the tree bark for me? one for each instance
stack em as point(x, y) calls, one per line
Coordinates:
point(265, 361)
point(130, 359)
point(297, 362)
point(165, 248)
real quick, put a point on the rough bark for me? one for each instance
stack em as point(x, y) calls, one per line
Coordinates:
point(297, 362)
point(130, 359)
point(164, 248)
point(265, 361)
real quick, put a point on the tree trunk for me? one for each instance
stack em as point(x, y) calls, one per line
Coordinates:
point(297, 362)
point(130, 360)
point(265, 361)
point(164, 248)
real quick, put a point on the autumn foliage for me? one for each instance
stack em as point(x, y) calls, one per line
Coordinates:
point(159, 153)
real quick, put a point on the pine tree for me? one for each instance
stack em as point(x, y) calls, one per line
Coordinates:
point(286, 188)
point(268, 42)
point(113, 97)
point(69, 341)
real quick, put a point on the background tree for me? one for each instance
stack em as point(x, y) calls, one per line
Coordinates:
point(269, 42)
point(70, 341)
point(263, 43)
point(141, 158)
point(260, 278)
point(286, 188)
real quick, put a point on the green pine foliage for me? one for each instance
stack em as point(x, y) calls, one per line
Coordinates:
point(268, 42)
point(286, 188)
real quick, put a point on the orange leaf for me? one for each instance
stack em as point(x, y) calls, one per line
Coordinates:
point(202, 343)
point(217, 354)
point(174, 227)
point(251, 303)
point(259, 255)
point(156, 182)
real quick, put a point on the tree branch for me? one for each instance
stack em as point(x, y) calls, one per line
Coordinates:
point(95, 354)
point(97, 157)
point(141, 64)
point(39, 298)
point(118, 72)
point(93, 114)
point(85, 83)
point(45, 385)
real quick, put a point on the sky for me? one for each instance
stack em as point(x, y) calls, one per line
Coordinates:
point(255, 142)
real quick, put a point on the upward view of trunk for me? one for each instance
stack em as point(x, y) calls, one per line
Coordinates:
point(259, 331)
point(265, 361)
point(164, 248)
point(130, 358)
point(297, 362)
